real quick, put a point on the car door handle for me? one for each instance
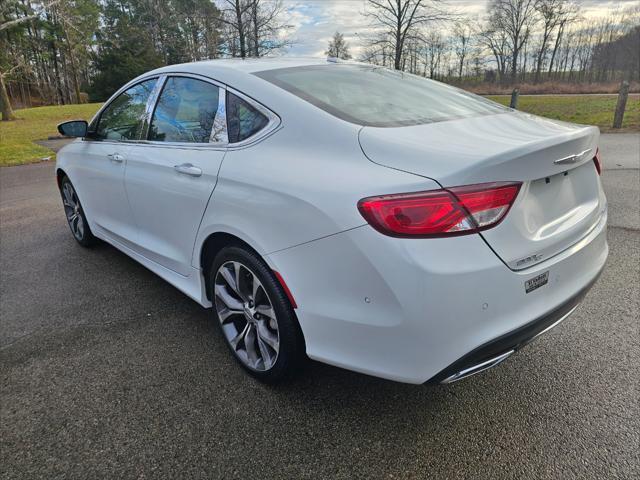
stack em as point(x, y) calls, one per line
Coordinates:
point(188, 169)
point(115, 157)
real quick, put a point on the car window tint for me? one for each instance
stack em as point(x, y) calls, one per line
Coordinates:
point(122, 119)
point(243, 120)
point(378, 97)
point(185, 112)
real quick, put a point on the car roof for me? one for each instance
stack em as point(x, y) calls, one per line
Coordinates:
point(249, 65)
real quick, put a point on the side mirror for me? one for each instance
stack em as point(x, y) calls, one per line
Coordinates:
point(73, 128)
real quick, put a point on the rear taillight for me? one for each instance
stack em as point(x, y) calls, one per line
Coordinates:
point(440, 213)
point(596, 160)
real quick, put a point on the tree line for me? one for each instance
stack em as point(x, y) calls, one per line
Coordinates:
point(514, 41)
point(71, 51)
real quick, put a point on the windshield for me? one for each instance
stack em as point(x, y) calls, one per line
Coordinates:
point(378, 97)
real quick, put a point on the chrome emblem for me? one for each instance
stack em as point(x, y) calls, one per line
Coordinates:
point(571, 159)
point(532, 258)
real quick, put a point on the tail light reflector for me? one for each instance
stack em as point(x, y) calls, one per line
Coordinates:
point(440, 213)
point(597, 161)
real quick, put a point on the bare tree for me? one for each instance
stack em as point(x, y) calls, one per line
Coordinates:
point(462, 35)
point(516, 19)
point(566, 13)
point(435, 47)
point(495, 39)
point(399, 21)
point(254, 27)
point(548, 11)
point(338, 48)
point(267, 28)
point(235, 16)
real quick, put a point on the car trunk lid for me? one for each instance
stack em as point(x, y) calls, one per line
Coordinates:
point(560, 201)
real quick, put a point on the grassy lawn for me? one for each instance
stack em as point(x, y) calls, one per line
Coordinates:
point(17, 147)
point(586, 109)
point(16, 138)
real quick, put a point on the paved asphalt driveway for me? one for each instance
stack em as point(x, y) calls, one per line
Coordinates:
point(109, 372)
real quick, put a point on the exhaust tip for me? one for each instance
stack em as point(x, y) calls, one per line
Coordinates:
point(480, 367)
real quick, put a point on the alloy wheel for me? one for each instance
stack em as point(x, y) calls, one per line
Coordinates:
point(247, 316)
point(72, 210)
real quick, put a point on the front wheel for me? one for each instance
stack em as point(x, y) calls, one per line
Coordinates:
point(255, 315)
point(75, 214)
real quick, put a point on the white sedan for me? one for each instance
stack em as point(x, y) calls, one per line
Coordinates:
point(358, 216)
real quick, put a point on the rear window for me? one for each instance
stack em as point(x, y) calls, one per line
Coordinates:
point(378, 97)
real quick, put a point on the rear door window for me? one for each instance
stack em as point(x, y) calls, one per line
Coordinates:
point(185, 112)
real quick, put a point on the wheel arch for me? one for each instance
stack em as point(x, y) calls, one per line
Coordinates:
point(60, 173)
point(211, 246)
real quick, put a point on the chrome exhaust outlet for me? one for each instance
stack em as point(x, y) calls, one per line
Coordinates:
point(480, 367)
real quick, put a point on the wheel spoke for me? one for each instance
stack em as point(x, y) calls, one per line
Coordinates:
point(80, 226)
point(230, 279)
point(74, 225)
point(241, 335)
point(266, 310)
point(68, 195)
point(254, 288)
point(267, 336)
point(250, 347)
point(264, 352)
point(230, 302)
point(236, 268)
point(227, 313)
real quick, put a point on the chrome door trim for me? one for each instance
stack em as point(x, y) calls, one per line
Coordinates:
point(219, 132)
point(151, 106)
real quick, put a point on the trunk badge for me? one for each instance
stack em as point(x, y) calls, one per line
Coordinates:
point(571, 159)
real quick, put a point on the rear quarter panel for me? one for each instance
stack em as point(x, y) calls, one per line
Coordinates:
point(299, 184)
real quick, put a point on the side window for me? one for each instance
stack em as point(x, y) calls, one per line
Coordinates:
point(122, 119)
point(243, 120)
point(185, 112)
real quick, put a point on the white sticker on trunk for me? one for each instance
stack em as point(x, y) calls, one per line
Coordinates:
point(536, 282)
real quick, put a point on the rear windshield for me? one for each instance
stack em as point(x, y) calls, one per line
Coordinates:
point(378, 97)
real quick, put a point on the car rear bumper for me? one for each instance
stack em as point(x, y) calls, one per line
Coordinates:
point(498, 350)
point(409, 310)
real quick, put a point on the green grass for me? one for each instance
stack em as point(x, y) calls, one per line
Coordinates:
point(16, 137)
point(586, 109)
point(17, 147)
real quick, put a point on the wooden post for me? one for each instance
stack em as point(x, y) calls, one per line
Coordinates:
point(622, 104)
point(514, 98)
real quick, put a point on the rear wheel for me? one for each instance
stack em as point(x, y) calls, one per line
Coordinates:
point(255, 315)
point(75, 214)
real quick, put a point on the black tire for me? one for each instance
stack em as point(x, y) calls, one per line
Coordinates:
point(291, 356)
point(76, 219)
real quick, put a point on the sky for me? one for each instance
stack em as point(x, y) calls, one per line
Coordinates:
point(315, 21)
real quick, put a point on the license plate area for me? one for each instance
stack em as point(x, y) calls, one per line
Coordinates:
point(536, 282)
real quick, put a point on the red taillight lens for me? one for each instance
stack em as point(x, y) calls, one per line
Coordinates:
point(438, 213)
point(597, 161)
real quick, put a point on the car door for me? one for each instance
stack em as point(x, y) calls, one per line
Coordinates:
point(102, 159)
point(170, 177)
